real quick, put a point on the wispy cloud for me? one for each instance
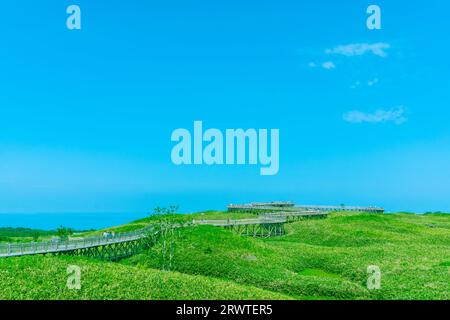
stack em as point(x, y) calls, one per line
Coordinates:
point(355, 85)
point(372, 82)
point(328, 65)
point(396, 115)
point(358, 49)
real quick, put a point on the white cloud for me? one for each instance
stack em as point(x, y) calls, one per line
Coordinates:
point(358, 49)
point(395, 115)
point(355, 85)
point(372, 82)
point(328, 65)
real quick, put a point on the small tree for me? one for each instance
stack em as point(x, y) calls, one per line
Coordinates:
point(173, 209)
point(35, 235)
point(63, 233)
point(157, 211)
point(167, 227)
point(161, 211)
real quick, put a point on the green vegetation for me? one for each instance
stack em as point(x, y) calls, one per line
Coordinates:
point(63, 233)
point(180, 218)
point(23, 234)
point(37, 277)
point(8, 234)
point(316, 259)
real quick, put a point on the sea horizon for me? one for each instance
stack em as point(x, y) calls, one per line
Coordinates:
point(83, 221)
point(80, 221)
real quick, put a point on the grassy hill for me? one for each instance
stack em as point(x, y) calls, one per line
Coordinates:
point(316, 259)
point(8, 234)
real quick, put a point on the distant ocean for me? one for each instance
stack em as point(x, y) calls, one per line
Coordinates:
point(78, 221)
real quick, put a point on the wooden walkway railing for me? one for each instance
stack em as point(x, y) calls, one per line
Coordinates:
point(56, 246)
point(296, 214)
point(267, 226)
point(300, 208)
point(230, 222)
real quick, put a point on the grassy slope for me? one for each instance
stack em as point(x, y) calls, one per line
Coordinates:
point(22, 234)
point(326, 258)
point(37, 277)
point(316, 259)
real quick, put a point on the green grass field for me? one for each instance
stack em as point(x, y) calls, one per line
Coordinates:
point(316, 259)
point(23, 234)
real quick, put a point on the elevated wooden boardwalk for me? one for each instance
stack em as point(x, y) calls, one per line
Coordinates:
point(258, 227)
point(128, 243)
point(97, 245)
point(265, 225)
point(230, 222)
point(340, 208)
point(296, 215)
point(290, 207)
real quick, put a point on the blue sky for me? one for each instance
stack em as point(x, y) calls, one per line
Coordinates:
point(86, 116)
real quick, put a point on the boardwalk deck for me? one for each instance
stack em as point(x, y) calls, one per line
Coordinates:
point(22, 249)
point(229, 222)
point(267, 226)
point(264, 208)
point(125, 244)
point(294, 216)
